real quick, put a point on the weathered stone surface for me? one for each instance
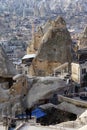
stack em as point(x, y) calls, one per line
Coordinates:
point(71, 108)
point(53, 48)
point(83, 39)
point(6, 67)
point(20, 87)
point(43, 88)
point(4, 95)
point(7, 71)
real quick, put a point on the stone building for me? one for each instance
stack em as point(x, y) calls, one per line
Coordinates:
point(79, 67)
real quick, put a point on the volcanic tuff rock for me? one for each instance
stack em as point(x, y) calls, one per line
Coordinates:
point(54, 48)
point(43, 88)
point(6, 67)
point(7, 71)
point(83, 39)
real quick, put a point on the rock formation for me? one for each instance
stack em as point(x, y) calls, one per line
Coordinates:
point(53, 46)
point(6, 67)
point(83, 39)
point(43, 88)
point(7, 71)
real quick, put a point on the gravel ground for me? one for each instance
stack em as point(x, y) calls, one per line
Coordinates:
point(28, 127)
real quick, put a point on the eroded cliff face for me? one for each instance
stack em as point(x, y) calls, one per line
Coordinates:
point(83, 39)
point(53, 48)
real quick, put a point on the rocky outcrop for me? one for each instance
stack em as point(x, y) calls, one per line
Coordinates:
point(43, 88)
point(83, 39)
point(4, 95)
point(7, 71)
point(29, 94)
point(6, 67)
point(12, 100)
point(53, 48)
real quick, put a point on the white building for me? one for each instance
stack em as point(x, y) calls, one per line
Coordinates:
point(78, 70)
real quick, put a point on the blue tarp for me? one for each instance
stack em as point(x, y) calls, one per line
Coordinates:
point(38, 113)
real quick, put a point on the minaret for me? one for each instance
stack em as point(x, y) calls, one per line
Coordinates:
point(42, 10)
point(14, 11)
point(36, 11)
point(24, 11)
point(30, 48)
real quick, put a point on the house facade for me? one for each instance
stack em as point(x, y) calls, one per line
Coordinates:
point(78, 70)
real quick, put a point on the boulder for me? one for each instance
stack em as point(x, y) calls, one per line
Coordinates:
point(43, 88)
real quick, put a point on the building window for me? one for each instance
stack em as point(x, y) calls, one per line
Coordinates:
point(25, 72)
point(84, 71)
